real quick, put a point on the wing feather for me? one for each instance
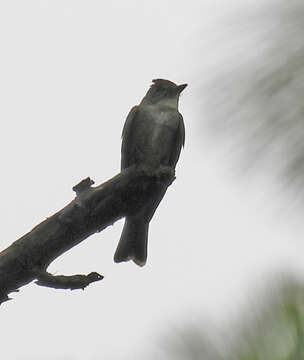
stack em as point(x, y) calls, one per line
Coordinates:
point(178, 143)
point(127, 150)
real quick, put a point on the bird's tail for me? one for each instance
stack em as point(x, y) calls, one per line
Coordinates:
point(133, 242)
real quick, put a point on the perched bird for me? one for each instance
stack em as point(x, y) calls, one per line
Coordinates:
point(153, 136)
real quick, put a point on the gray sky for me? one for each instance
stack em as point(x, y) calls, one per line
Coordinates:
point(70, 72)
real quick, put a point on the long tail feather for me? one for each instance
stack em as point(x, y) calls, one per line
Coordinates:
point(133, 242)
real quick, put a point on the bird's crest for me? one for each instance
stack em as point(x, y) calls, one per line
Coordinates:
point(163, 82)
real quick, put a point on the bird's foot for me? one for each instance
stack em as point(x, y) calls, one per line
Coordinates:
point(165, 174)
point(148, 170)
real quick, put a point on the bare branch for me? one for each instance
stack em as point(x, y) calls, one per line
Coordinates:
point(92, 210)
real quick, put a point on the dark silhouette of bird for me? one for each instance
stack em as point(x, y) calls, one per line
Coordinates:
point(153, 136)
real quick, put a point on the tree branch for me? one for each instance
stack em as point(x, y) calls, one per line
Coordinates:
point(66, 282)
point(92, 210)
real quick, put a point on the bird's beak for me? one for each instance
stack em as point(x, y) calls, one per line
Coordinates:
point(180, 88)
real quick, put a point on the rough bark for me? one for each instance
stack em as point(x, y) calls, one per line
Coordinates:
point(92, 210)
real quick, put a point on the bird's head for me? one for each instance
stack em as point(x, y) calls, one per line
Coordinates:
point(164, 91)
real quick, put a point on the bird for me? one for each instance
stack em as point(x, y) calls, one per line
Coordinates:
point(153, 136)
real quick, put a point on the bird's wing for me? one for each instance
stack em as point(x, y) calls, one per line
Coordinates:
point(127, 151)
point(179, 142)
point(182, 130)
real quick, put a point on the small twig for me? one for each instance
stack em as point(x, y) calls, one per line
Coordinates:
point(71, 282)
point(84, 185)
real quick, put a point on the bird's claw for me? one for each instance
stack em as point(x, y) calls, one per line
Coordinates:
point(165, 173)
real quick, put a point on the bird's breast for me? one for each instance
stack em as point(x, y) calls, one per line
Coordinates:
point(158, 117)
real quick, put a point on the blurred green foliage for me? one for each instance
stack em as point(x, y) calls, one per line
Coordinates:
point(279, 332)
point(254, 100)
point(273, 330)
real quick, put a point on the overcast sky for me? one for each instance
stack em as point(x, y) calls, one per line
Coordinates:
point(70, 72)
